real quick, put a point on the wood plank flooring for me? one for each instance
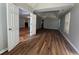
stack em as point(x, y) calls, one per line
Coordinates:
point(24, 32)
point(46, 42)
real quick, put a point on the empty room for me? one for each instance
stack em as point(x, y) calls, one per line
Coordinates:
point(39, 28)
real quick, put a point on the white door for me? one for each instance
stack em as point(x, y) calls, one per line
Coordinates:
point(67, 23)
point(12, 26)
point(32, 24)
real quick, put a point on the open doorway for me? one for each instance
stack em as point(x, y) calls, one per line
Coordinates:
point(24, 20)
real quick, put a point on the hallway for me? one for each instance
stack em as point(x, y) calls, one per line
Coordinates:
point(24, 32)
point(47, 42)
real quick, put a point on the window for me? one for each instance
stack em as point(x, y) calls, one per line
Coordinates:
point(67, 23)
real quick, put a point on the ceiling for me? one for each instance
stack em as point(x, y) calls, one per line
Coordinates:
point(47, 10)
point(43, 6)
point(49, 14)
point(23, 11)
point(37, 6)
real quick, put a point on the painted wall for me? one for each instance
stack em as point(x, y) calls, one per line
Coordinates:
point(51, 24)
point(48, 23)
point(62, 23)
point(21, 21)
point(3, 27)
point(74, 29)
point(1, 34)
point(32, 24)
point(29, 24)
point(23, 14)
point(38, 22)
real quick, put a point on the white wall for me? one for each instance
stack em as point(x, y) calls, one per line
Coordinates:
point(29, 24)
point(3, 27)
point(73, 35)
point(74, 26)
point(38, 22)
point(32, 24)
point(21, 19)
point(48, 23)
point(1, 34)
point(22, 14)
point(21, 22)
point(51, 24)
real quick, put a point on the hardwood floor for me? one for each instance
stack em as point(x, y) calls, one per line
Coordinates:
point(24, 32)
point(46, 42)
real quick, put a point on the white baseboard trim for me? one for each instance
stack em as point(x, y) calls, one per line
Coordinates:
point(3, 50)
point(70, 42)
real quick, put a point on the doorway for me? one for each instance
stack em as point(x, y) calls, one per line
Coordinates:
point(24, 20)
point(21, 24)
